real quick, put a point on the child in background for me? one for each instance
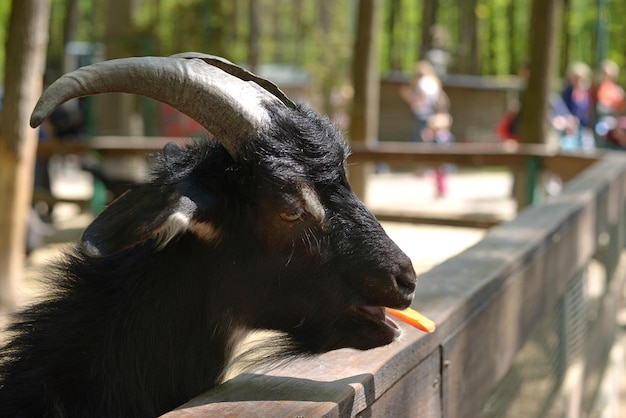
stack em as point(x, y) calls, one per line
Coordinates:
point(438, 131)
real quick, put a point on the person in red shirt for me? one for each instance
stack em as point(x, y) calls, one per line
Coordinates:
point(609, 95)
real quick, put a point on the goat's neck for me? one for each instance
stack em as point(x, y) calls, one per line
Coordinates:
point(158, 318)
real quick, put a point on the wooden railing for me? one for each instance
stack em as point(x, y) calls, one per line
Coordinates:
point(526, 161)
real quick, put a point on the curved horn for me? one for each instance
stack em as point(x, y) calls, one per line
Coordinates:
point(228, 107)
point(239, 72)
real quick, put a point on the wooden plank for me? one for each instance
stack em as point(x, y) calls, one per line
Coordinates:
point(601, 333)
point(484, 221)
point(133, 145)
point(480, 353)
point(341, 383)
point(568, 166)
point(48, 148)
point(467, 155)
point(417, 394)
point(107, 145)
point(476, 155)
point(50, 199)
point(462, 154)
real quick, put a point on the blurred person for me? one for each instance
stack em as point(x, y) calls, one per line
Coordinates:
point(425, 97)
point(562, 122)
point(609, 105)
point(438, 54)
point(609, 95)
point(577, 96)
point(438, 131)
point(507, 129)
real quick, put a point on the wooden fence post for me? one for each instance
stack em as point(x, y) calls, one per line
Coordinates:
point(364, 120)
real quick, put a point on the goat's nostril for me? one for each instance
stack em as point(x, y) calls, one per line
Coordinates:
point(406, 280)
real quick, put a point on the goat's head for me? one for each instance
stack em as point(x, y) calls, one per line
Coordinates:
point(271, 197)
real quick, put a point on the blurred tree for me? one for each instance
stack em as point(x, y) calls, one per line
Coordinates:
point(401, 36)
point(5, 11)
point(254, 23)
point(487, 36)
point(26, 51)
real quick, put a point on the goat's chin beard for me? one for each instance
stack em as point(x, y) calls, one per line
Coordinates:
point(264, 350)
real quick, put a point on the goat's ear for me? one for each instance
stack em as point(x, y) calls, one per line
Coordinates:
point(139, 214)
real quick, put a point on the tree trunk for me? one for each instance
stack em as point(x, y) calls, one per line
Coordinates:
point(366, 79)
point(116, 114)
point(429, 19)
point(511, 13)
point(544, 21)
point(534, 128)
point(469, 49)
point(395, 55)
point(70, 23)
point(26, 51)
point(566, 46)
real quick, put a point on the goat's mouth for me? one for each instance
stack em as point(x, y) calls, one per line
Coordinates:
point(361, 327)
point(378, 314)
point(373, 327)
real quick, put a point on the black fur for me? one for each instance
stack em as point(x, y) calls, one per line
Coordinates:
point(130, 330)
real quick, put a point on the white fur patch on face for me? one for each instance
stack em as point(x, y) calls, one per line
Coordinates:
point(312, 203)
point(175, 224)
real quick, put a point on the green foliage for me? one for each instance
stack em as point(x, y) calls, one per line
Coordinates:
point(617, 33)
point(400, 40)
point(318, 35)
point(5, 11)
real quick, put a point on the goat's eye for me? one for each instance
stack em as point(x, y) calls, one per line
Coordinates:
point(293, 215)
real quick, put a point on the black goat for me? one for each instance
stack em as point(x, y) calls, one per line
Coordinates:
point(258, 231)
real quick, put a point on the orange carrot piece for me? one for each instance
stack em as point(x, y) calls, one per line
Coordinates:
point(413, 318)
